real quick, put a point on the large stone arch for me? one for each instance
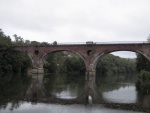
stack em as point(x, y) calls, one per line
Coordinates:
point(49, 53)
point(101, 54)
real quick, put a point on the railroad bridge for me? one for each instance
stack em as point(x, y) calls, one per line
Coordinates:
point(90, 52)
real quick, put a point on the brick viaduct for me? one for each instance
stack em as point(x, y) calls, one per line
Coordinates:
point(90, 52)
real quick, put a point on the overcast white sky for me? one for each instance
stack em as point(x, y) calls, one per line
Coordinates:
point(76, 20)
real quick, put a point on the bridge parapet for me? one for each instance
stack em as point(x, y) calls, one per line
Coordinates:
point(123, 42)
point(89, 43)
point(112, 42)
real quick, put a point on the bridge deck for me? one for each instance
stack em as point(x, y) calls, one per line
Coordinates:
point(94, 43)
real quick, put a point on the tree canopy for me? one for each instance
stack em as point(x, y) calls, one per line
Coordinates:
point(11, 61)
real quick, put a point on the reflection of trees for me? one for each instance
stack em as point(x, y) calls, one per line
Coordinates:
point(76, 84)
point(143, 83)
point(106, 83)
point(143, 88)
point(143, 100)
point(44, 91)
point(56, 83)
point(12, 89)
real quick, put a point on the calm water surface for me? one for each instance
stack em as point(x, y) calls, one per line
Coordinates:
point(65, 93)
point(56, 108)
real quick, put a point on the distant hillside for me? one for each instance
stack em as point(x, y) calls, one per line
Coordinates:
point(114, 64)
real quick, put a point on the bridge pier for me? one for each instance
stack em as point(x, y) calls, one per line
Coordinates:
point(90, 83)
point(37, 64)
point(90, 75)
point(36, 71)
point(90, 87)
point(36, 89)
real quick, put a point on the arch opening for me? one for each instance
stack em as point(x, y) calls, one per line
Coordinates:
point(116, 62)
point(121, 53)
point(63, 62)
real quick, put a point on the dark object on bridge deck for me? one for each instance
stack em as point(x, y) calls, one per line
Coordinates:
point(89, 43)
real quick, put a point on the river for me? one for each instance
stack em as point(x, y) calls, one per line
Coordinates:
point(66, 93)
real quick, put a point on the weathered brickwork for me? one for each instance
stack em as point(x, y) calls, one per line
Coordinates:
point(89, 53)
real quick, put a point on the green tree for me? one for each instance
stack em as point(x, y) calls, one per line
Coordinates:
point(4, 40)
point(50, 65)
point(64, 62)
point(18, 40)
point(114, 64)
point(142, 63)
point(27, 42)
point(11, 61)
point(35, 43)
point(143, 82)
point(44, 44)
point(55, 43)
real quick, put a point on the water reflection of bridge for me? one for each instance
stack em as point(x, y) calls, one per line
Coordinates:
point(37, 92)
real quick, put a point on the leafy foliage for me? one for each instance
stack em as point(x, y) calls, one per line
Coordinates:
point(11, 61)
point(62, 62)
point(13, 88)
point(56, 83)
point(113, 64)
point(142, 63)
point(143, 82)
point(143, 67)
point(4, 40)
